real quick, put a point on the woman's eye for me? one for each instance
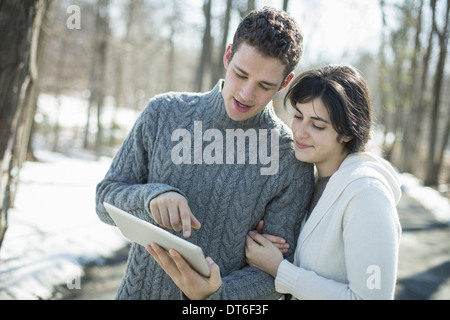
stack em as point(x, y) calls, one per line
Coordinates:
point(318, 128)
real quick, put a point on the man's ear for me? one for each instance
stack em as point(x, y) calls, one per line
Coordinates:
point(288, 80)
point(226, 56)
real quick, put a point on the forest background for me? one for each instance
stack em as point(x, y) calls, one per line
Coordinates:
point(99, 60)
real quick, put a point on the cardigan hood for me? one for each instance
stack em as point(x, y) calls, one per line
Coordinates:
point(366, 165)
point(356, 170)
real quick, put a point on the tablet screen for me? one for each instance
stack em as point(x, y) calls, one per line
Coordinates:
point(145, 233)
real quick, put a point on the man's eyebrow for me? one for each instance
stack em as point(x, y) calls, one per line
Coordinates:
point(267, 83)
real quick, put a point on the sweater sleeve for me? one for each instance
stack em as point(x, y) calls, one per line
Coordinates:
point(371, 235)
point(126, 182)
point(283, 218)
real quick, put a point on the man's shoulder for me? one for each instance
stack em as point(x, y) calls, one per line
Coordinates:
point(174, 98)
point(286, 141)
point(171, 104)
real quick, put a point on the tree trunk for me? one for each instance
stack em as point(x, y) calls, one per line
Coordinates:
point(383, 79)
point(408, 141)
point(421, 105)
point(433, 161)
point(250, 7)
point(219, 71)
point(98, 70)
point(205, 58)
point(20, 22)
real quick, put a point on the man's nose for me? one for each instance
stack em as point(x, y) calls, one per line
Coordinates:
point(248, 92)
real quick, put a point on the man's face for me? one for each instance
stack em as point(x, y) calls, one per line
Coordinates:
point(251, 81)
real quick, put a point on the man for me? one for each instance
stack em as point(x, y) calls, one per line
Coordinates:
point(186, 166)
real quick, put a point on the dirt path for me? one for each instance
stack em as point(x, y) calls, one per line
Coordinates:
point(424, 263)
point(100, 282)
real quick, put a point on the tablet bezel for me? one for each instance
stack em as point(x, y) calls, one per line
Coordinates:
point(145, 233)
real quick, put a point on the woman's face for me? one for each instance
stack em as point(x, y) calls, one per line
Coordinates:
point(316, 141)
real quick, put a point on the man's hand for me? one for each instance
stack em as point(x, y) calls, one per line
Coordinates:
point(172, 211)
point(279, 242)
point(193, 285)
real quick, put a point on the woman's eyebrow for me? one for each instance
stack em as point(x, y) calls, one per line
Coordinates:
point(320, 119)
point(314, 118)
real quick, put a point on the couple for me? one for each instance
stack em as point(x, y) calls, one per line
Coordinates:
point(348, 244)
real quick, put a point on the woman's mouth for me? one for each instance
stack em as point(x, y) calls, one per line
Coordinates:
point(302, 146)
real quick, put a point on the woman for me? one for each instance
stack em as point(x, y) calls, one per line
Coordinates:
point(348, 244)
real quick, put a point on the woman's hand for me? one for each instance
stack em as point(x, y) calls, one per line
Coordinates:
point(193, 285)
point(262, 253)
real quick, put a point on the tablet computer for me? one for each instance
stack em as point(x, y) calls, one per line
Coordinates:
point(145, 233)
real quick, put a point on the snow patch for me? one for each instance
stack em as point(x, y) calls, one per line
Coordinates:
point(53, 229)
point(429, 198)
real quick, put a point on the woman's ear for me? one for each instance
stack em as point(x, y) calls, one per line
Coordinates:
point(346, 139)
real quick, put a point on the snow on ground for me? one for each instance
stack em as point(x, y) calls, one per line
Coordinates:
point(69, 112)
point(53, 229)
point(428, 198)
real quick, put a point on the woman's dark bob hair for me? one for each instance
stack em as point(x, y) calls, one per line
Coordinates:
point(345, 94)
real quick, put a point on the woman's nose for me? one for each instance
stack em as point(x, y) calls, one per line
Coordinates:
point(300, 130)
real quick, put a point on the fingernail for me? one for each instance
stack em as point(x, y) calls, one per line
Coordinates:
point(186, 233)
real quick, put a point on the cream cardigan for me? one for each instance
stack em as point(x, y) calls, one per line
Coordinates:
point(348, 248)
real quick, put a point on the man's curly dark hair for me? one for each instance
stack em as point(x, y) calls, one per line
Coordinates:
point(274, 33)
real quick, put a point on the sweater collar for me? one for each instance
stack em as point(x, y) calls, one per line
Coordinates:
point(216, 109)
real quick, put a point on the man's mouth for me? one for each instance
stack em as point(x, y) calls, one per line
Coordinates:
point(241, 107)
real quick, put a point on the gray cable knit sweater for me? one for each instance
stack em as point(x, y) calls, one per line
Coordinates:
point(228, 199)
